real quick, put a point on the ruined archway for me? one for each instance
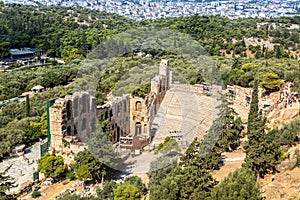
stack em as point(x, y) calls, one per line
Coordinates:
point(138, 106)
point(75, 106)
point(138, 128)
point(69, 109)
point(69, 130)
point(83, 125)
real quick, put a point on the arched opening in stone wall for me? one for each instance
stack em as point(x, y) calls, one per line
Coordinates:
point(154, 106)
point(75, 106)
point(117, 136)
point(75, 130)
point(124, 106)
point(138, 128)
point(94, 125)
point(138, 106)
point(69, 110)
point(145, 128)
point(69, 130)
point(105, 114)
point(83, 104)
point(63, 129)
point(118, 109)
point(94, 105)
point(118, 130)
point(83, 126)
point(110, 114)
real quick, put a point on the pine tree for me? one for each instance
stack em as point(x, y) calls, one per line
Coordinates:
point(203, 154)
point(239, 185)
point(6, 183)
point(226, 128)
point(191, 179)
point(236, 63)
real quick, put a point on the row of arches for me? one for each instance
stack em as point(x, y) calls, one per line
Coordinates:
point(80, 105)
point(83, 126)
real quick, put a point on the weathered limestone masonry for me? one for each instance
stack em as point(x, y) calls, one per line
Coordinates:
point(239, 94)
point(242, 96)
point(72, 119)
point(132, 116)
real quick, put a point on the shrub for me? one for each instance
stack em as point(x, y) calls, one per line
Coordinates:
point(298, 161)
point(71, 176)
point(65, 182)
point(35, 194)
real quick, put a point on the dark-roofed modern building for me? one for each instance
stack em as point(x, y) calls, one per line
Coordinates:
point(25, 53)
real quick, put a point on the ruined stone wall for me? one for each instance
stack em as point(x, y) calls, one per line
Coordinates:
point(143, 110)
point(239, 94)
point(133, 115)
point(120, 117)
point(139, 116)
point(242, 96)
point(72, 119)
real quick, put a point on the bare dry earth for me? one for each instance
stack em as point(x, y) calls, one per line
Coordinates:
point(233, 161)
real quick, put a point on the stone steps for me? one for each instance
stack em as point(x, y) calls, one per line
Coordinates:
point(185, 111)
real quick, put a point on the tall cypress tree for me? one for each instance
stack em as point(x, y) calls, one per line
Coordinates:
point(27, 106)
point(254, 111)
point(262, 153)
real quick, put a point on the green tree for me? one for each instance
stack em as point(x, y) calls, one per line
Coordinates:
point(189, 182)
point(137, 182)
point(159, 169)
point(36, 194)
point(127, 192)
point(107, 192)
point(277, 50)
point(191, 179)
point(236, 63)
point(51, 165)
point(82, 172)
point(89, 167)
point(104, 155)
point(142, 90)
point(249, 67)
point(195, 183)
point(27, 106)
point(4, 49)
point(271, 82)
point(167, 146)
point(227, 127)
point(296, 85)
point(6, 183)
point(204, 153)
point(288, 134)
point(239, 185)
point(37, 129)
point(253, 107)
point(262, 149)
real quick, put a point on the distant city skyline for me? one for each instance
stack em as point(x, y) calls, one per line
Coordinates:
point(154, 9)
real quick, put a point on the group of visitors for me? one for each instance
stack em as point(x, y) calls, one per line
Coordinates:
point(286, 96)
